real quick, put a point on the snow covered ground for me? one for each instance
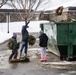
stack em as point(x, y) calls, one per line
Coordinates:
point(4, 36)
point(34, 26)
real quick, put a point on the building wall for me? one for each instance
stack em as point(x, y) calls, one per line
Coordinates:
point(2, 17)
point(14, 17)
point(58, 18)
point(67, 15)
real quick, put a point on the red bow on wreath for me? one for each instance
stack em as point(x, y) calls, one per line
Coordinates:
point(59, 10)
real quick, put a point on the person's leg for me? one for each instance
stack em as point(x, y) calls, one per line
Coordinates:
point(10, 57)
point(21, 49)
point(15, 55)
point(42, 54)
point(26, 47)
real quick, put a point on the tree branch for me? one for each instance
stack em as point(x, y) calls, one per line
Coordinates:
point(3, 3)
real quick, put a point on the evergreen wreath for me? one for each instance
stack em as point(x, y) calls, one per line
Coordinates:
point(10, 44)
point(21, 59)
point(41, 15)
point(31, 40)
point(59, 10)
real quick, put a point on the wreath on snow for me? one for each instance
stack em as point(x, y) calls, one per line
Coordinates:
point(31, 40)
point(59, 10)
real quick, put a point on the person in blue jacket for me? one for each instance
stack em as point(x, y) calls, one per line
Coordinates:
point(25, 36)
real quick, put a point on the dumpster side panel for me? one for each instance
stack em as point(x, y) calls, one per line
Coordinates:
point(74, 40)
point(62, 34)
point(42, 27)
point(62, 39)
point(51, 31)
point(66, 39)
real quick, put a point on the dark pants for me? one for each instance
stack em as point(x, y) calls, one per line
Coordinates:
point(24, 46)
point(13, 55)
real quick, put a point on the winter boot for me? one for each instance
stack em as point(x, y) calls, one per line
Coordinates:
point(45, 58)
point(42, 59)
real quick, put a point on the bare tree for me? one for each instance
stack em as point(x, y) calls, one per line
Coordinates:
point(29, 7)
point(3, 2)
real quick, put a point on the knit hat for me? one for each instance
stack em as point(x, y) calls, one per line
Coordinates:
point(41, 32)
point(14, 34)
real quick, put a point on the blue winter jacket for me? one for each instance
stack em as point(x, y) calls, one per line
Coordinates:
point(25, 34)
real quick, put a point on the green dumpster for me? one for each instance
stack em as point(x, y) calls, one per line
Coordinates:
point(64, 37)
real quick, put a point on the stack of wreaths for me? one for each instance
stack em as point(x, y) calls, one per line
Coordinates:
point(59, 10)
point(31, 40)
